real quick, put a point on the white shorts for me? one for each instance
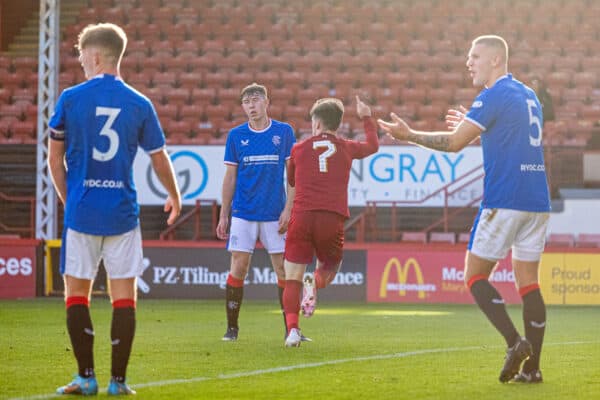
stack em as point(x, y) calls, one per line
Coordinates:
point(122, 254)
point(499, 229)
point(243, 235)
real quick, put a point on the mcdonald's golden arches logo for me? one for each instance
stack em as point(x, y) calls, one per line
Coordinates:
point(402, 286)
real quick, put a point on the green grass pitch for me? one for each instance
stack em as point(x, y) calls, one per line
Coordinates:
point(360, 351)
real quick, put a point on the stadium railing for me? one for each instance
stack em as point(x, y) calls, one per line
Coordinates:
point(394, 232)
point(195, 214)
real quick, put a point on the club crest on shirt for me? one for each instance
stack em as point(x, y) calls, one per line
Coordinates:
point(477, 104)
point(245, 142)
point(276, 140)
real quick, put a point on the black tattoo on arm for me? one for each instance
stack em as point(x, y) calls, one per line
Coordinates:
point(439, 142)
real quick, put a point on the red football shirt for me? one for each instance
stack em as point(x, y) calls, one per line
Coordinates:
point(320, 169)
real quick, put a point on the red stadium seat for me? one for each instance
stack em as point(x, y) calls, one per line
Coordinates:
point(27, 130)
point(188, 48)
point(465, 96)
point(464, 237)
point(297, 112)
point(277, 111)
point(213, 46)
point(442, 237)
point(451, 79)
point(241, 79)
point(5, 63)
point(5, 126)
point(163, 16)
point(426, 78)
point(22, 64)
point(239, 45)
point(216, 79)
point(414, 237)
point(293, 78)
point(229, 95)
point(386, 95)
point(308, 96)
point(5, 95)
point(431, 112)
point(586, 79)
point(397, 80)
point(207, 95)
point(560, 240)
point(180, 127)
point(165, 79)
point(590, 112)
point(441, 95)
point(117, 15)
point(178, 96)
point(588, 240)
point(191, 112)
point(11, 111)
point(190, 80)
point(282, 95)
point(413, 95)
point(167, 111)
point(14, 80)
point(217, 112)
point(24, 96)
point(156, 95)
point(176, 33)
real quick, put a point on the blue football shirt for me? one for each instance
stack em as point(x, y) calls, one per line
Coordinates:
point(510, 115)
point(103, 121)
point(260, 157)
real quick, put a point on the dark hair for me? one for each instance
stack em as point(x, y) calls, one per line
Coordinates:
point(329, 111)
point(254, 88)
point(109, 37)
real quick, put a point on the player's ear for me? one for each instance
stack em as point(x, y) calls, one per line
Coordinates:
point(97, 57)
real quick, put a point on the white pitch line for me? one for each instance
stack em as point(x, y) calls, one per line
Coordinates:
point(306, 365)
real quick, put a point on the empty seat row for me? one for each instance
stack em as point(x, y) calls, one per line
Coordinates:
point(572, 240)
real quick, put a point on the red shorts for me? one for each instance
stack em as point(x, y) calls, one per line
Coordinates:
point(310, 232)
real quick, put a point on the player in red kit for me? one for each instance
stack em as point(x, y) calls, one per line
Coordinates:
point(319, 170)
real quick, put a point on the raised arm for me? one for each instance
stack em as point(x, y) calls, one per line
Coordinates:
point(372, 142)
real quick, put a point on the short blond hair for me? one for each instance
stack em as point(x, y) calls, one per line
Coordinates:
point(109, 37)
point(493, 41)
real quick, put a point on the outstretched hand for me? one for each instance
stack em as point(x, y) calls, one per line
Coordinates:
point(397, 128)
point(455, 117)
point(362, 109)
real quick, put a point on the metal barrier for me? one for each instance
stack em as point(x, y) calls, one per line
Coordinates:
point(195, 213)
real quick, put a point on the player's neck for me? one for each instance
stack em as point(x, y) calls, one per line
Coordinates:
point(325, 132)
point(259, 124)
point(111, 71)
point(494, 78)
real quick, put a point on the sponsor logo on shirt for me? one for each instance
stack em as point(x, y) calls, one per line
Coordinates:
point(262, 159)
point(103, 184)
point(533, 167)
